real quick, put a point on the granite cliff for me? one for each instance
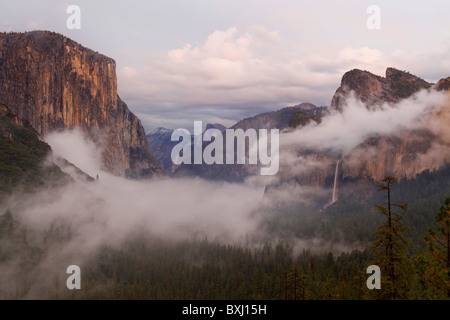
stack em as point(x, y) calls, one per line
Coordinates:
point(55, 83)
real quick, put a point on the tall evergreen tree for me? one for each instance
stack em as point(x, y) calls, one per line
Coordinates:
point(389, 247)
point(437, 275)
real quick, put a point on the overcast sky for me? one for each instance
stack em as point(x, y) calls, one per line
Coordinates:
point(220, 61)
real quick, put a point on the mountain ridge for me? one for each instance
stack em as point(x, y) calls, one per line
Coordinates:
point(394, 156)
point(375, 90)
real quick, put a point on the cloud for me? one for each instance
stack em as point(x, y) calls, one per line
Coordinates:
point(418, 124)
point(130, 35)
point(431, 65)
point(255, 70)
point(73, 146)
point(33, 25)
point(230, 68)
point(363, 58)
point(110, 210)
point(106, 210)
point(343, 131)
point(376, 61)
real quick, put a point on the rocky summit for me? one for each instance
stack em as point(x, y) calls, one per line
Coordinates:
point(374, 90)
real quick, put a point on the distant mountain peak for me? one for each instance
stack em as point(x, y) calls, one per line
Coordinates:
point(305, 106)
point(159, 130)
point(218, 126)
point(278, 119)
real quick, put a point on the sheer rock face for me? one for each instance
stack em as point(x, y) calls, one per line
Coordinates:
point(55, 83)
point(375, 90)
point(406, 156)
point(415, 151)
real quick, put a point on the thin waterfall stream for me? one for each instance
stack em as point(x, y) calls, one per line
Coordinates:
point(334, 198)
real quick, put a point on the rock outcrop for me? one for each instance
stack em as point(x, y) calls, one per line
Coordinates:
point(443, 84)
point(374, 90)
point(55, 83)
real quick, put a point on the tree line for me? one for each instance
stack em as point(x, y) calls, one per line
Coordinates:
point(146, 267)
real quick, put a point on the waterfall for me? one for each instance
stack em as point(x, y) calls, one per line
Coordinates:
point(334, 198)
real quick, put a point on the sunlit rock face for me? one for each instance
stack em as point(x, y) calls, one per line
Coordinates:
point(55, 83)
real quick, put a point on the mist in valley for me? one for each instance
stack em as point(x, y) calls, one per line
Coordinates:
point(71, 224)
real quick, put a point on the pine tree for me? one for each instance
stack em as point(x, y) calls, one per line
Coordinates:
point(298, 282)
point(437, 275)
point(389, 248)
